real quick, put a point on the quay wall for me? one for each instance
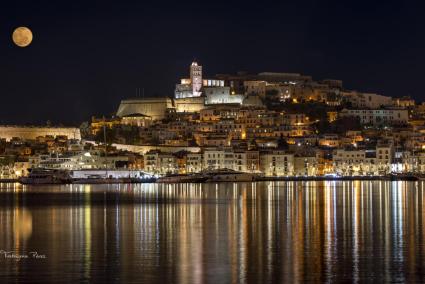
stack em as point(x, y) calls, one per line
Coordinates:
point(144, 149)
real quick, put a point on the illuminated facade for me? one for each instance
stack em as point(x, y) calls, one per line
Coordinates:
point(196, 79)
point(366, 100)
point(221, 95)
point(190, 87)
point(277, 163)
point(152, 107)
point(189, 104)
point(378, 116)
point(32, 132)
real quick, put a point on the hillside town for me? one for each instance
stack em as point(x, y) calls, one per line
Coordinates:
point(270, 124)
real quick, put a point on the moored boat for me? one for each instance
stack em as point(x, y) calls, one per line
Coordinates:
point(45, 176)
point(227, 175)
point(182, 178)
point(110, 180)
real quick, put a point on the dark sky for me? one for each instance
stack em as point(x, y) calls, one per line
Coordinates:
point(88, 55)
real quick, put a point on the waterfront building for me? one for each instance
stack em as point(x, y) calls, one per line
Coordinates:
point(157, 162)
point(80, 161)
point(213, 158)
point(194, 163)
point(305, 164)
point(368, 161)
point(277, 163)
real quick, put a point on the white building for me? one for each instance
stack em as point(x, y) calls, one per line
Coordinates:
point(277, 163)
point(377, 116)
point(226, 158)
point(213, 158)
point(156, 162)
point(76, 161)
point(352, 162)
point(366, 100)
point(305, 165)
point(221, 95)
point(194, 162)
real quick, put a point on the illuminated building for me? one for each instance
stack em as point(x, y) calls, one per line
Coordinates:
point(76, 161)
point(221, 95)
point(330, 140)
point(378, 117)
point(189, 104)
point(157, 162)
point(305, 165)
point(277, 163)
point(196, 79)
point(366, 100)
point(332, 116)
point(136, 119)
point(153, 107)
point(192, 87)
point(405, 102)
point(353, 161)
point(98, 124)
point(194, 162)
point(218, 158)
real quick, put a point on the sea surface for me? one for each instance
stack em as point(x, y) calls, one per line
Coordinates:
point(264, 232)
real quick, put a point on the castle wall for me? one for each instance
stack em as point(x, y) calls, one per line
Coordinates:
point(32, 132)
point(153, 107)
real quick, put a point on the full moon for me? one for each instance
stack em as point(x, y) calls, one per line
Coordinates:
point(22, 36)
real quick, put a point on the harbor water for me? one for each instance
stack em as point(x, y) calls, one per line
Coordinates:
point(263, 232)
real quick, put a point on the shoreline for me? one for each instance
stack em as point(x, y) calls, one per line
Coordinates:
point(342, 178)
point(259, 179)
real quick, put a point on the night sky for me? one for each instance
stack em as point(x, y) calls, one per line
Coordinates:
point(88, 55)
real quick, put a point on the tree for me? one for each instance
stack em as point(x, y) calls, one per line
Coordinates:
point(85, 129)
point(282, 144)
point(109, 134)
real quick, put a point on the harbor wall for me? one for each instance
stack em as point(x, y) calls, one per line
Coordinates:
point(167, 149)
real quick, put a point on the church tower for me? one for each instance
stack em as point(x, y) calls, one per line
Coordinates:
point(196, 79)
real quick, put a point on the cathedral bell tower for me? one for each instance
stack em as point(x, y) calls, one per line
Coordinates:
point(196, 79)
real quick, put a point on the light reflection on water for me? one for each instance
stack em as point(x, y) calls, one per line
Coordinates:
point(215, 233)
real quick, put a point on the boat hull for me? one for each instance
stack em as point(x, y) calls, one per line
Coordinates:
point(182, 179)
point(238, 177)
point(26, 180)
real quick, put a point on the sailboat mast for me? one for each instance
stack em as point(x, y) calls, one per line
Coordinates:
point(106, 147)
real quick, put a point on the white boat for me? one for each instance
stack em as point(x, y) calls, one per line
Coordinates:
point(226, 175)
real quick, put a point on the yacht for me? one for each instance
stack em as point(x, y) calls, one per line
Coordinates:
point(228, 175)
point(182, 178)
point(45, 176)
